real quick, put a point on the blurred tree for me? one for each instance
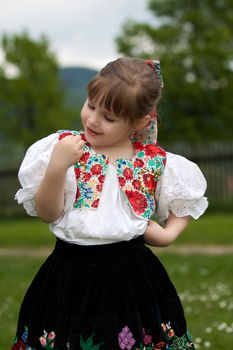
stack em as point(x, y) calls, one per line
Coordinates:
point(31, 101)
point(194, 41)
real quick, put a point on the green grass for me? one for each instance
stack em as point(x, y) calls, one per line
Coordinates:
point(209, 229)
point(203, 282)
point(15, 276)
point(205, 286)
point(26, 232)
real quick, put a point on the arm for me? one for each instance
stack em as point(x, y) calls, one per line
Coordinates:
point(159, 236)
point(49, 199)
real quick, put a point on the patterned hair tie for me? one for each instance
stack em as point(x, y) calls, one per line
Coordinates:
point(155, 65)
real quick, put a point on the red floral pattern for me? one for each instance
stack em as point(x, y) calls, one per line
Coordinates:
point(151, 150)
point(64, 134)
point(137, 200)
point(19, 345)
point(99, 187)
point(95, 203)
point(122, 181)
point(96, 169)
point(146, 171)
point(85, 156)
point(90, 173)
point(77, 172)
point(101, 178)
point(139, 146)
point(128, 173)
point(137, 179)
point(160, 346)
point(136, 184)
point(77, 194)
point(138, 163)
point(149, 181)
point(147, 338)
point(87, 176)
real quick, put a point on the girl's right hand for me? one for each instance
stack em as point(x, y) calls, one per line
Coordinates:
point(67, 151)
point(49, 198)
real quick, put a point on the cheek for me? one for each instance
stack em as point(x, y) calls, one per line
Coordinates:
point(83, 114)
point(110, 128)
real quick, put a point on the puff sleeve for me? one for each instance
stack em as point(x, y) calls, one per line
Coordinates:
point(32, 171)
point(181, 189)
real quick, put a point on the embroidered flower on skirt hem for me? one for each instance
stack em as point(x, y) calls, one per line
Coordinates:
point(125, 341)
point(115, 296)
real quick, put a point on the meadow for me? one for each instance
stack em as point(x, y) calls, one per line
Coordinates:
point(204, 281)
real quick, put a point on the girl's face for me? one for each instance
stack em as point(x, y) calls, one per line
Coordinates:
point(103, 129)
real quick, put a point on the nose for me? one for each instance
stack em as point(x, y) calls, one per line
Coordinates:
point(93, 118)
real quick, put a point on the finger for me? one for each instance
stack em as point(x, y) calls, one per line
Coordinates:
point(77, 138)
point(80, 146)
point(82, 143)
point(68, 137)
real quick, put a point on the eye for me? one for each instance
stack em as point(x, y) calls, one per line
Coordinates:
point(109, 119)
point(91, 106)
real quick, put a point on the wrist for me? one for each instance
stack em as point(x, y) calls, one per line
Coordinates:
point(57, 167)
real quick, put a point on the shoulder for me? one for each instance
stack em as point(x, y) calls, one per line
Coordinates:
point(179, 163)
point(181, 189)
point(43, 144)
point(149, 150)
point(183, 171)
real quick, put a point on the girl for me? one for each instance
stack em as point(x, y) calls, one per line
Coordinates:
point(102, 288)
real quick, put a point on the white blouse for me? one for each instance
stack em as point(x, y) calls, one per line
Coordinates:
point(180, 190)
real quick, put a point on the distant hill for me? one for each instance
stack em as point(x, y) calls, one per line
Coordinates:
point(74, 81)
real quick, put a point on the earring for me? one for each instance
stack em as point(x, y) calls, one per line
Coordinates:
point(132, 134)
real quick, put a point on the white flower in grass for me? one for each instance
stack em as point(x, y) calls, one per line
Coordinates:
point(222, 326)
point(198, 340)
point(189, 309)
point(207, 344)
point(9, 299)
point(229, 329)
point(190, 298)
point(214, 296)
point(182, 296)
point(222, 287)
point(184, 269)
point(203, 271)
point(208, 329)
point(203, 298)
point(222, 304)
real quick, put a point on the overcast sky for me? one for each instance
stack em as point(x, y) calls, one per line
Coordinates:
point(81, 32)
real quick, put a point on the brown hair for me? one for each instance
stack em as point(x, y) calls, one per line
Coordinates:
point(127, 87)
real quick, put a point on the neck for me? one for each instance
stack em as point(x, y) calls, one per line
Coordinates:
point(125, 150)
point(117, 146)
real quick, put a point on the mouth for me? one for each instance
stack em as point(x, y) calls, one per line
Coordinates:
point(92, 132)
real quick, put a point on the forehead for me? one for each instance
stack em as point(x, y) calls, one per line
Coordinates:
point(101, 107)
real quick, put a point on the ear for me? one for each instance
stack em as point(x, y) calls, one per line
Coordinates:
point(142, 123)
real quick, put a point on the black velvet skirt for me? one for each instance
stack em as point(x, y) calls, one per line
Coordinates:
point(114, 296)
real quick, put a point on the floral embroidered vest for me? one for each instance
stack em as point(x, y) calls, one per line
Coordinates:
point(138, 177)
